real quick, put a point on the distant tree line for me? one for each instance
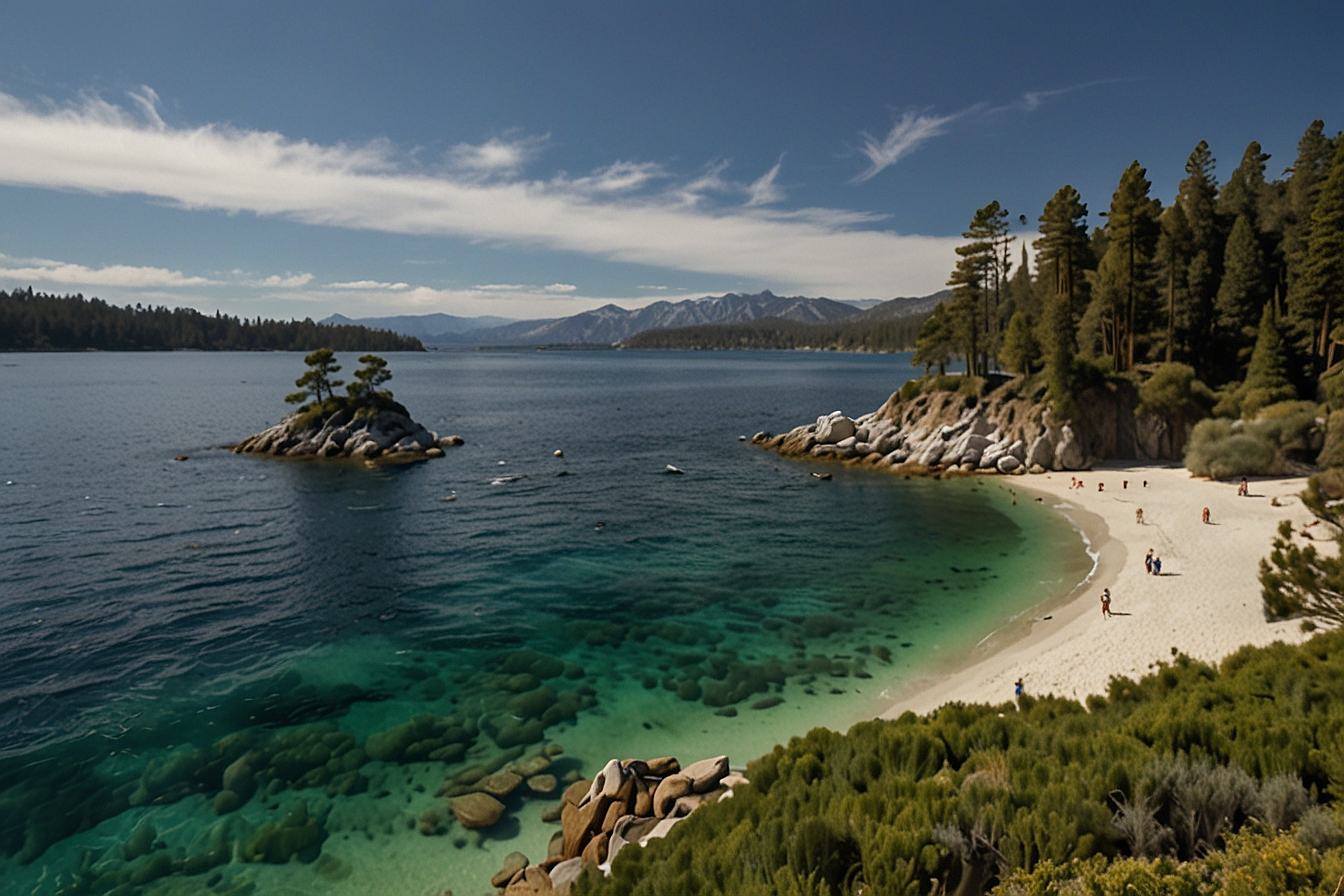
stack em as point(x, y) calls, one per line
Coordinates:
point(1198, 281)
point(894, 335)
point(32, 321)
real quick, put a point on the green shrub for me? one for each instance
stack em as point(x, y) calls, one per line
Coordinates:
point(1255, 400)
point(1173, 393)
point(1216, 450)
point(1319, 829)
point(1331, 386)
point(1028, 796)
point(1332, 452)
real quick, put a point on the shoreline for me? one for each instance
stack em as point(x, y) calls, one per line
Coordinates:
point(1206, 604)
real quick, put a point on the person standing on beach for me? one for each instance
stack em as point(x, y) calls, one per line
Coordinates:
point(1206, 515)
point(1138, 516)
point(1148, 562)
point(1157, 566)
point(1017, 689)
point(1106, 603)
point(1244, 489)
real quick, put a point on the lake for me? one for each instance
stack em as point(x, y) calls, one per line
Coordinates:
point(344, 639)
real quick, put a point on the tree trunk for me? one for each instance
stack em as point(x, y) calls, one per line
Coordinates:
point(1325, 329)
point(1129, 334)
point(1171, 305)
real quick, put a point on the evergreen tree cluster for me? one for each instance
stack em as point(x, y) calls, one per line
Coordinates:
point(1201, 281)
point(32, 321)
point(1192, 780)
point(892, 335)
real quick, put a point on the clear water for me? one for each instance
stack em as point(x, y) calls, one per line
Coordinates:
point(157, 618)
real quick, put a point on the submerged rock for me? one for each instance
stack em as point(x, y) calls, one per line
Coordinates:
point(299, 834)
point(476, 810)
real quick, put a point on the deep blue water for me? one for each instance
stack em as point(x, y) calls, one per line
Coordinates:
point(149, 606)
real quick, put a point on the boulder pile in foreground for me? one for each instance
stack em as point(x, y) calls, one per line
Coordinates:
point(629, 801)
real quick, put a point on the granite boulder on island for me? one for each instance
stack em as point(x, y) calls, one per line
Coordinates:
point(366, 423)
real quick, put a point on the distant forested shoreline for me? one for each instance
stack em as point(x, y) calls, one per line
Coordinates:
point(894, 335)
point(32, 321)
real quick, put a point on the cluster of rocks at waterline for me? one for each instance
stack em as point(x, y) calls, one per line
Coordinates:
point(385, 433)
point(481, 795)
point(999, 432)
point(630, 801)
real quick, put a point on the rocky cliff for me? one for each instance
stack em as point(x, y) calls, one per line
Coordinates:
point(1001, 430)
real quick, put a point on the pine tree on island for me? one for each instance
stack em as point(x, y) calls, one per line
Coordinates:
point(366, 422)
point(317, 379)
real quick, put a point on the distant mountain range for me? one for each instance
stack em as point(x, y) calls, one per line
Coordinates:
point(425, 327)
point(612, 324)
point(903, 306)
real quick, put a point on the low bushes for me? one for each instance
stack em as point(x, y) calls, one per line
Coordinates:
point(1176, 783)
point(1280, 435)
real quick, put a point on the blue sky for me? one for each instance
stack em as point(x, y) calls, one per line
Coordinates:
point(533, 159)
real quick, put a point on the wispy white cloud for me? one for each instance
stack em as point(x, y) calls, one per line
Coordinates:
point(561, 288)
point(98, 147)
point(496, 156)
point(148, 102)
point(914, 129)
point(619, 177)
point(1032, 100)
point(62, 274)
point(905, 136)
point(369, 284)
point(764, 190)
point(289, 281)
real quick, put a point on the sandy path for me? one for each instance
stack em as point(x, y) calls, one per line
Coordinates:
point(1206, 603)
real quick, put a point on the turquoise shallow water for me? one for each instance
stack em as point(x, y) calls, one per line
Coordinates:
point(163, 621)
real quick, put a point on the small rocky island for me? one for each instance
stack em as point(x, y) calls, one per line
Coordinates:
point(366, 423)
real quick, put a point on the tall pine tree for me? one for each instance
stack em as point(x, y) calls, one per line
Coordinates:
point(1198, 197)
point(1173, 259)
point(1267, 376)
point(978, 282)
point(1124, 277)
point(1314, 151)
point(1243, 292)
point(1320, 294)
point(1062, 252)
point(1245, 188)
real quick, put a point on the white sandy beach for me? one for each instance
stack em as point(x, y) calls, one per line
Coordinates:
point(1205, 604)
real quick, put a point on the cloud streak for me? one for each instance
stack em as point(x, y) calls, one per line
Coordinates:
point(614, 214)
point(496, 156)
point(63, 274)
point(905, 136)
point(915, 129)
point(764, 190)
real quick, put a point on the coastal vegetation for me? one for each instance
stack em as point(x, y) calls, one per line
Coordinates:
point(891, 335)
point(32, 321)
point(1227, 300)
point(1191, 780)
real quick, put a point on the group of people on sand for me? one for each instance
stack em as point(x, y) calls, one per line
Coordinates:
point(1076, 483)
point(1152, 563)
